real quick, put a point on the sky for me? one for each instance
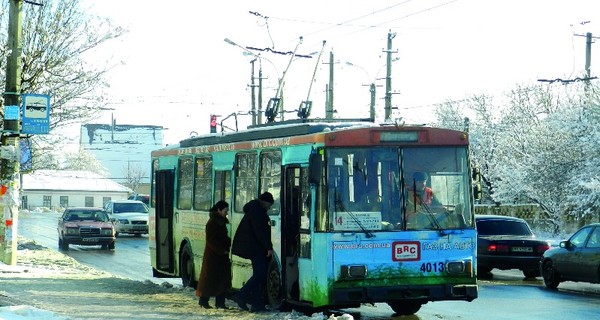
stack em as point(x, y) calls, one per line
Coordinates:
point(177, 69)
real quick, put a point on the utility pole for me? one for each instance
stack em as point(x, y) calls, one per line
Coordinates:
point(252, 87)
point(372, 109)
point(260, 95)
point(388, 78)
point(588, 59)
point(329, 107)
point(9, 172)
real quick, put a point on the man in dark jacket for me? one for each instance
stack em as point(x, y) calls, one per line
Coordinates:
point(252, 241)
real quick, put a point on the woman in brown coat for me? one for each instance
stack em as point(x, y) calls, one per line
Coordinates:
point(215, 275)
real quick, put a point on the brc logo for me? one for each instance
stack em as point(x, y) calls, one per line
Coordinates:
point(406, 251)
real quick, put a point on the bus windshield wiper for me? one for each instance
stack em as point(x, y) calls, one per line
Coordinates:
point(432, 218)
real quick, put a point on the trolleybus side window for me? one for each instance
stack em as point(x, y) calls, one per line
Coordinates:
point(270, 177)
point(245, 179)
point(222, 185)
point(203, 184)
point(185, 181)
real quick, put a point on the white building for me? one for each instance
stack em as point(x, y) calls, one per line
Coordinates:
point(124, 150)
point(54, 189)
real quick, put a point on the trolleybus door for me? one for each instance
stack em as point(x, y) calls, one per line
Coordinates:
point(165, 183)
point(290, 228)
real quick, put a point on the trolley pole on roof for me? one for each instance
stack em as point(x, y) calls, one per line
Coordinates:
point(9, 172)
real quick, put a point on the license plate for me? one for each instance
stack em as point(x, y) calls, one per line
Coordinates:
point(139, 228)
point(522, 249)
point(90, 239)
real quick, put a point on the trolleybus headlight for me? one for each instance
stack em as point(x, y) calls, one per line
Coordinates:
point(354, 271)
point(455, 267)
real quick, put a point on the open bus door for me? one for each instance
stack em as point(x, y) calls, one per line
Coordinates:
point(294, 205)
point(165, 182)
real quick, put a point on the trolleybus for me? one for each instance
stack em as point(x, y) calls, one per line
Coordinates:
point(345, 227)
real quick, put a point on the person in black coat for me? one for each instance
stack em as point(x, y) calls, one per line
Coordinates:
point(252, 241)
point(215, 275)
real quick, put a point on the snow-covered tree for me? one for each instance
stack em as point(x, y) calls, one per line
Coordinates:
point(83, 160)
point(537, 144)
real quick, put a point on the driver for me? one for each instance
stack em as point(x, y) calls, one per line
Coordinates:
point(420, 199)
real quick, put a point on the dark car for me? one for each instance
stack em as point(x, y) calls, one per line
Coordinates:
point(576, 259)
point(140, 197)
point(507, 243)
point(85, 226)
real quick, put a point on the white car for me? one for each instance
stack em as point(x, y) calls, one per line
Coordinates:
point(128, 216)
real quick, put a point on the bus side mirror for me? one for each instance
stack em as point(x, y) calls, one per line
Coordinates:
point(315, 168)
point(477, 191)
point(476, 174)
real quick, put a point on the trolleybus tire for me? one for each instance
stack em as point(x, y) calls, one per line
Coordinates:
point(405, 307)
point(275, 293)
point(186, 267)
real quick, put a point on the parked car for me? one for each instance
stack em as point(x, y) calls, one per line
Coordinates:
point(576, 259)
point(85, 226)
point(141, 197)
point(128, 216)
point(507, 243)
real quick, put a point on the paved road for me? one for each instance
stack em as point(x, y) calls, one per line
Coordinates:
point(130, 259)
point(504, 295)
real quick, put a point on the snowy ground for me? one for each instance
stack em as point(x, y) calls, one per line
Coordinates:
point(46, 284)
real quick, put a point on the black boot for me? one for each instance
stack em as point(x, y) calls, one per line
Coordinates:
point(220, 302)
point(203, 302)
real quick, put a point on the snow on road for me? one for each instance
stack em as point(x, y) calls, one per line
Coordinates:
point(45, 284)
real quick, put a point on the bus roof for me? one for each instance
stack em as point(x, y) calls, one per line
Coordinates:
point(274, 130)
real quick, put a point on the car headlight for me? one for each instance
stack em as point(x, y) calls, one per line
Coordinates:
point(123, 221)
point(107, 232)
point(72, 230)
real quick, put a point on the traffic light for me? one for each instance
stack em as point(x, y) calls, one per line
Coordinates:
point(213, 123)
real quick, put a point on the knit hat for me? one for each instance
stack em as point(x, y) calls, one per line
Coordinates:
point(420, 176)
point(267, 197)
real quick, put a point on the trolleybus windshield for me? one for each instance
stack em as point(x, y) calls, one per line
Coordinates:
point(384, 189)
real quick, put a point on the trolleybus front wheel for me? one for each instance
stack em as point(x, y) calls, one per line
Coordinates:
point(405, 307)
point(275, 294)
point(186, 267)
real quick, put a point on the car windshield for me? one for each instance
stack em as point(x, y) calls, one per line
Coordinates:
point(86, 216)
point(502, 227)
point(130, 207)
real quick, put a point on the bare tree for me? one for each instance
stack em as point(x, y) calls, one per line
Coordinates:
point(57, 37)
point(134, 176)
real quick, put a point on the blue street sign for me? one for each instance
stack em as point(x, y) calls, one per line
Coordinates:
point(11, 112)
point(36, 114)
